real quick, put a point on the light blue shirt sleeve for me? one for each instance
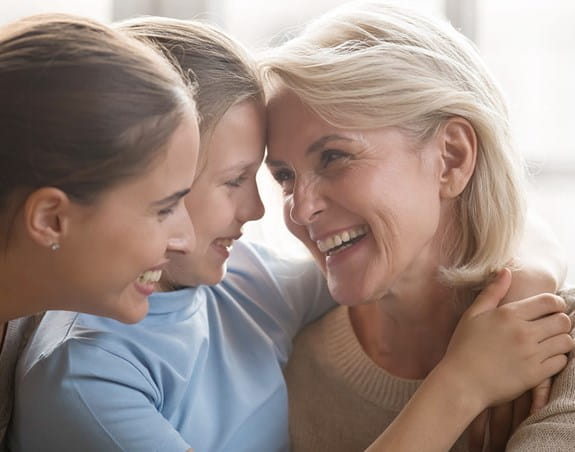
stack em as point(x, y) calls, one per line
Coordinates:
point(281, 295)
point(88, 395)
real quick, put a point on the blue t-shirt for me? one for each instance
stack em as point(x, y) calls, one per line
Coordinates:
point(202, 370)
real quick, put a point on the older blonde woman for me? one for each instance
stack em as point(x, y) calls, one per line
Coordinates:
point(391, 143)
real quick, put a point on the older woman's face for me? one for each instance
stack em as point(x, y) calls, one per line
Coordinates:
point(366, 203)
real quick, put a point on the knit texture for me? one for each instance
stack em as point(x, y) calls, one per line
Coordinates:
point(341, 401)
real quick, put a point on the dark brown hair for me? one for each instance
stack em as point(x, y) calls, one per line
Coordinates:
point(83, 107)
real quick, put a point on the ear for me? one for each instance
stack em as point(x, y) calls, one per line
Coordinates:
point(459, 151)
point(46, 215)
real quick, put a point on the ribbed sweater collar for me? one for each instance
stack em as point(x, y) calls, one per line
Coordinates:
point(357, 370)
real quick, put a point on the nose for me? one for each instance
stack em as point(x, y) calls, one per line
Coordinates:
point(306, 202)
point(252, 207)
point(183, 238)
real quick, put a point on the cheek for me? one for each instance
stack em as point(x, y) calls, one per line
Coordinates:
point(204, 207)
point(297, 230)
point(151, 241)
point(194, 203)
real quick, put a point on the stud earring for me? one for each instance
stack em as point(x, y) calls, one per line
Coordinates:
point(54, 246)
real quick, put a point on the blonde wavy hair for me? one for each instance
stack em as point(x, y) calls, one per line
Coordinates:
point(370, 65)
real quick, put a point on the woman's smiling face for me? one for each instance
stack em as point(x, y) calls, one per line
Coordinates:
point(115, 247)
point(366, 203)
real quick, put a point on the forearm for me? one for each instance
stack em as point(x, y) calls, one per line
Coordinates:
point(434, 418)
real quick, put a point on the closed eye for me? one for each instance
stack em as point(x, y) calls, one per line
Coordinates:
point(237, 182)
point(167, 211)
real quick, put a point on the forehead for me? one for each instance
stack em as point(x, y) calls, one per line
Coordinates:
point(284, 104)
point(239, 135)
point(290, 121)
point(175, 166)
point(247, 116)
point(181, 151)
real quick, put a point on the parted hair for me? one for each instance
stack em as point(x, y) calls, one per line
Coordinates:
point(83, 107)
point(222, 70)
point(371, 65)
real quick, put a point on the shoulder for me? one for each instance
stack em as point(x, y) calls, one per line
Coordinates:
point(251, 257)
point(70, 345)
point(52, 331)
point(259, 268)
point(248, 255)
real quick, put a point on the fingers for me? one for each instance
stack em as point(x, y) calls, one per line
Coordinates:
point(551, 325)
point(540, 395)
point(492, 294)
point(538, 306)
point(556, 345)
point(552, 366)
point(500, 421)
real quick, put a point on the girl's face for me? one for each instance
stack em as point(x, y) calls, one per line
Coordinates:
point(224, 195)
point(115, 250)
point(366, 203)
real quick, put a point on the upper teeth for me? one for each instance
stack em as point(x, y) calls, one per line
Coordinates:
point(341, 238)
point(150, 276)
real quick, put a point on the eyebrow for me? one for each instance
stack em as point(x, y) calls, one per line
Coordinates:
point(317, 145)
point(243, 166)
point(174, 197)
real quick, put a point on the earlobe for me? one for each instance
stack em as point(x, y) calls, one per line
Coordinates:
point(46, 213)
point(459, 152)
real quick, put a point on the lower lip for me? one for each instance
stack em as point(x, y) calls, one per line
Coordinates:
point(340, 257)
point(145, 289)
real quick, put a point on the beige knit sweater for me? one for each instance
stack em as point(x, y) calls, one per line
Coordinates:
point(340, 401)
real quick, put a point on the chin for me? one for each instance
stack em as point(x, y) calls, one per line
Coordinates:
point(214, 278)
point(347, 294)
point(130, 312)
point(209, 276)
point(341, 295)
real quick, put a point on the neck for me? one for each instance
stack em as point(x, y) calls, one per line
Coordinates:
point(20, 297)
point(408, 330)
point(407, 336)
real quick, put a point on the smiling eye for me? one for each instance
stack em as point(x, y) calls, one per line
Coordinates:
point(166, 212)
point(284, 177)
point(331, 155)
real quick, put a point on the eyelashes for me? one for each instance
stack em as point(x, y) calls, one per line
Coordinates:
point(237, 182)
point(330, 156)
point(282, 175)
point(327, 158)
point(167, 211)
